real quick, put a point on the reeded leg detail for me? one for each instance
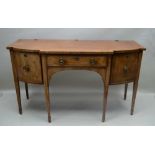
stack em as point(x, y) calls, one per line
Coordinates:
point(125, 91)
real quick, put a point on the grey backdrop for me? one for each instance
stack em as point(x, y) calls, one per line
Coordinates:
point(80, 79)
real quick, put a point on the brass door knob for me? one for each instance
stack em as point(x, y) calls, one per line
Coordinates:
point(26, 68)
point(93, 61)
point(61, 61)
point(125, 69)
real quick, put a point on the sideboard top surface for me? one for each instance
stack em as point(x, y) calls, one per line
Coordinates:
point(75, 46)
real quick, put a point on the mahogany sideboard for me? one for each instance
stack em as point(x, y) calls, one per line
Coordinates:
point(35, 61)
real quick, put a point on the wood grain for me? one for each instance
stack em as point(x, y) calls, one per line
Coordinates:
point(36, 61)
point(106, 88)
point(135, 83)
point(75, 46)
point(16, 81)
point(124, 68)
point(77, 60)
point(46, 86)
point(28, 67)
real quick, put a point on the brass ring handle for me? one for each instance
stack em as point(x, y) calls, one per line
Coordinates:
point(93, 61)
point(26, 68)
point(125, 69)
point(61, 61)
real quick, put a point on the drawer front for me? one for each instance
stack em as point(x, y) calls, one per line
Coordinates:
point(28, 67)
point(95, 61)
point(124, 67)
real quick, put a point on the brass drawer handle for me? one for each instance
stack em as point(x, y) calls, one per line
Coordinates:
point(26, 68)
point(93, 61)
point(61, 61)
point(125, 69)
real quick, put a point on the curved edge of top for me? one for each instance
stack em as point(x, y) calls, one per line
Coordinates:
point(11, 47)
point(130, 50)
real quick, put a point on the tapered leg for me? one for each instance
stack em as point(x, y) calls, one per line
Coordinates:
point(125, 91)
point(16, 81)
point(106, 88)
point(17, 86)
point(26, 90)
point(46, 87)
point(135, 87)
point(135, 84)
point(47, 98)
point(106, 80)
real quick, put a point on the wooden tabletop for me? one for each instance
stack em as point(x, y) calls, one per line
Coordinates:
point(75, 46)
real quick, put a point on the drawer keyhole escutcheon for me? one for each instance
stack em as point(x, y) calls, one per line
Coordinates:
point(77, 58)
point(26, 68)
point(25, 55)
point(93, 61)
point(125, 69)
point(61, 61)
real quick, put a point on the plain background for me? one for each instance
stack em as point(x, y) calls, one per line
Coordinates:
point(80, 80)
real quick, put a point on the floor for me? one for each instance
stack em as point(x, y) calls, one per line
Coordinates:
point(77, 108)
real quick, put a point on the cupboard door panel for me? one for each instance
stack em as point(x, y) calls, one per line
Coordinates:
point(124, 68)
point(28, 67)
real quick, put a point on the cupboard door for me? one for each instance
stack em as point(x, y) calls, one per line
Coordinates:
point(28, 67)
point(124, 68)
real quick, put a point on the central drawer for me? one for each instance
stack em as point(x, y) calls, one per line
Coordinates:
point(85, 61)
